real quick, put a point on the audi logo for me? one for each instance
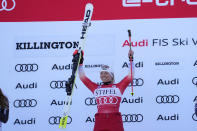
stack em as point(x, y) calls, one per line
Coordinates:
point(58, 84)
point(26, 67)
point(138, 82)
point(194, 81)
point(167, 99)
point(55, 120)
point(132, 117)
point(194, 117)
point(107, 100)
point(4, 5)
point(25, 103)
point(90, 101)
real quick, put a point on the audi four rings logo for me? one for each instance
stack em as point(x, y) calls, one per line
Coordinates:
point(194, 81)
point(58, 84)
point(25, 103)
point(167, 99)
point(90, 101)
point(26, 67)
point(102, 100)
point(194, 117)
point(55, 120)
point(132, 118)
point(138, 82)
point(4, 5)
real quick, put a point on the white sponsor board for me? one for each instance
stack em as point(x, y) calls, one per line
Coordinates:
point(165, 71)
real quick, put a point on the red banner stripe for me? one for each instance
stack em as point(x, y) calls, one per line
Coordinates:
point(72, 10)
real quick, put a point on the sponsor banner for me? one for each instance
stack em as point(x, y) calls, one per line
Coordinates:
point(91, 101)
point(49, 46)
point(165, 80)
point(26, 86)
point(126, 118)
point(161, 42)
point(61, 10)
point(45, 46)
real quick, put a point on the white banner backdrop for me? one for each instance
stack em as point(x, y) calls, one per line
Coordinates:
point(165, 72)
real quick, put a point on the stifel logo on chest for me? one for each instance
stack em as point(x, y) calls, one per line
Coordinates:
point(107, 95)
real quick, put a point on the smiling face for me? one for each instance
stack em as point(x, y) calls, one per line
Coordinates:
point(106, 77)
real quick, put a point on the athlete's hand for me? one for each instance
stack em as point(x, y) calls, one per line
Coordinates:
point(76, 52)
point(130, 55)
point(76, 55)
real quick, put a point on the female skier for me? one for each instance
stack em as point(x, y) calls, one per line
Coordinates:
point(4, 109)
point(108, 97)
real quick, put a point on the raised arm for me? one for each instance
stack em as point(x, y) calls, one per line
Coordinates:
point(86, 81)
point(123, 84)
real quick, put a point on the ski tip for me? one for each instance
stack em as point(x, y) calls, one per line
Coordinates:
point(89, 5)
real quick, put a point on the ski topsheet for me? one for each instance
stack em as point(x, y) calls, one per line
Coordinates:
point(85, 25)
